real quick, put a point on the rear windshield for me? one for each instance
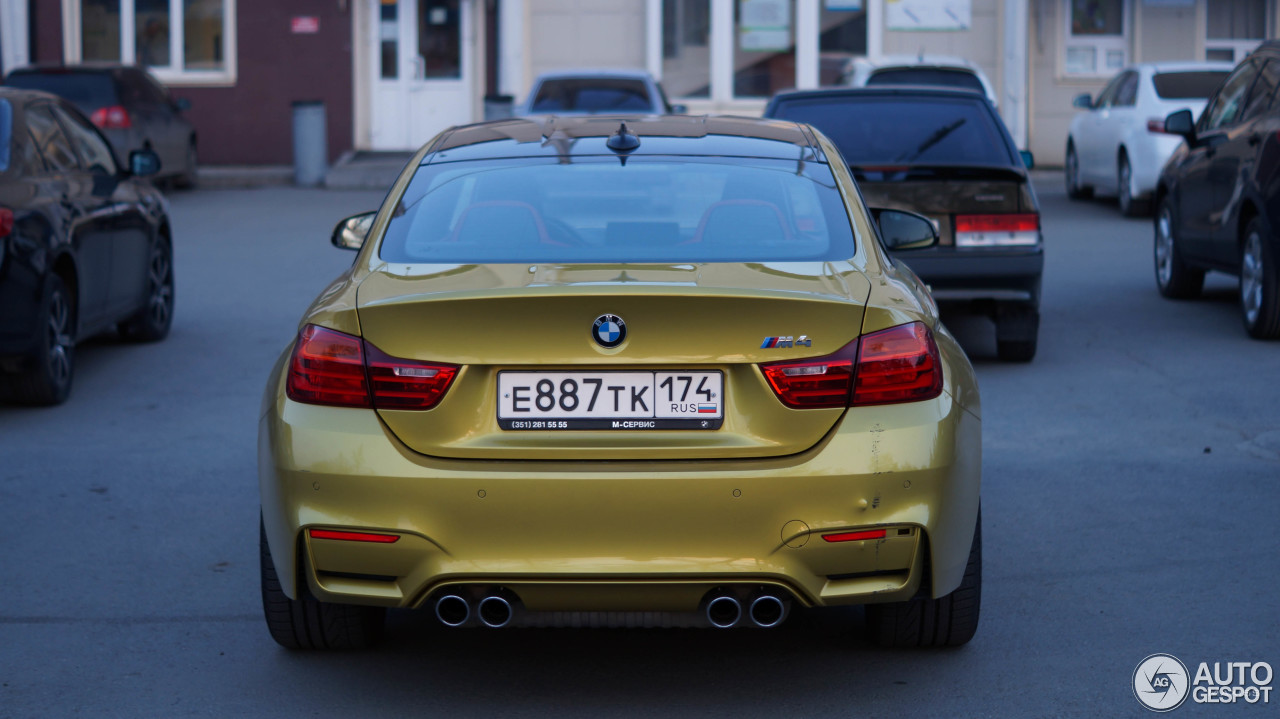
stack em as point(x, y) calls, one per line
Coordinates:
point(6, 132)
point(926, 76)
point(596, 95)
point(596, 209)
point(86, 90)
point(1198, 85)
point(871, 131)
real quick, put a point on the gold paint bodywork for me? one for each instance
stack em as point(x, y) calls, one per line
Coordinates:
point(623, 521)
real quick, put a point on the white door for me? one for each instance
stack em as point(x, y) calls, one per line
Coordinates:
point(423, 79)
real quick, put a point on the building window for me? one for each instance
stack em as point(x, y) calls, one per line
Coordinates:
point(181, 41)
point(1234, 28)
point(764, 49)
point(842, 36)
point(686, 47)
point(1097, 37)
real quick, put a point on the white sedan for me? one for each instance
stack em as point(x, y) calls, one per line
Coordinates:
point(1119, 145)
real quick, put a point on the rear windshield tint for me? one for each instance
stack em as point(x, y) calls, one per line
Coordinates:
point(6, 132)
point(86, 90)
point(927, 76)
point(1197, 85)
point(877, 131)
point(599, 95)
point(595, 209)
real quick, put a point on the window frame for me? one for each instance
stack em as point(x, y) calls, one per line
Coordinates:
point(1203, 126)
point(174, 74)
point(1100, 44)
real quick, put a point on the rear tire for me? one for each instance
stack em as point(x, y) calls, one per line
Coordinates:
point(305, 623)
point(1259, 284)
point(1129, 207)
point(47, 381)
point(1075, 190)
point(1174, 278)
point(948, 621)
point(153, 321)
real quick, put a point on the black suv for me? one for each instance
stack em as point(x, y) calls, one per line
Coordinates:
point(944, 153)
point(1218, 199)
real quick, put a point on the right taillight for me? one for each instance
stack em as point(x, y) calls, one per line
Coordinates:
point(114, 117)
point(340, 370)
point(900, 364)
point(6, 221)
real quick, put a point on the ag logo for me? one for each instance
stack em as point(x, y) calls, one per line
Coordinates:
point(1161, 682)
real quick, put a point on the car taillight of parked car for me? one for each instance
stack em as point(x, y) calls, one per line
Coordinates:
point(6, 222)
point(900, 364)
point(114, 117)
point(339, 370)
point(1155, 125)
point(999, 230)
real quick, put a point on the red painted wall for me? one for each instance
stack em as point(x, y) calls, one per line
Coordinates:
point(251, 123)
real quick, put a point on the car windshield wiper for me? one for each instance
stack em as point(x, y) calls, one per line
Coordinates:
point(930, 141)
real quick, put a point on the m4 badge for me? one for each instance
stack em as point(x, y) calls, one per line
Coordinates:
point(783, 342)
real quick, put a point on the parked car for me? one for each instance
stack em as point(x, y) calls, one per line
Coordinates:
point(946, 154)
point(1218, 198)
point(644, 370)
point(131, 108)
point(1119, 145)
point(591, 92)
point(932, 70)
point(85, 245)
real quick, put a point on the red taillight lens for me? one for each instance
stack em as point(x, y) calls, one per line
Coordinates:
point(856, 536)
point(332, 368)
point(406, 384)
point(328, 368)
point(114, 117)
point(1155, 124)
point(998, 223)
point(353, 536)
point(6, 221)
point(900, 364)
point(814, 383)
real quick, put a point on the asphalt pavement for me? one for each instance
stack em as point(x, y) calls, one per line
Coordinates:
point(1130, 502)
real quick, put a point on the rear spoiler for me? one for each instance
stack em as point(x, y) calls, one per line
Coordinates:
point(889, 172)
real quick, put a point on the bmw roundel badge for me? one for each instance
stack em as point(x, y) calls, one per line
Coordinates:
point(609, 331)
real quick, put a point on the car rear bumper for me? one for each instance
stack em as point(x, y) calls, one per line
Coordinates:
point(980, 274)
point(623, 536)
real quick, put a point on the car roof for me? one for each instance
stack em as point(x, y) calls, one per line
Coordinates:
point(883, 90)
point(1181, 66)
point(892, 61)
point(585, 135)
point(43, 68)
point(22, 95)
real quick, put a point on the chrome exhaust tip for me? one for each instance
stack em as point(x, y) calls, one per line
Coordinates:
point(767, 610)
point(452, 610)
point(494, 611)
point(724, 612)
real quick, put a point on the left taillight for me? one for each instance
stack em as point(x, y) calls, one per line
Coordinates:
point(340, 370)
point(998, 230)
point(114, 117)
point(6, 222)
point(900, 364)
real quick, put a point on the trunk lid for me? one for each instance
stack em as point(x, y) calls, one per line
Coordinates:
point(941, 193)
point(541, 318)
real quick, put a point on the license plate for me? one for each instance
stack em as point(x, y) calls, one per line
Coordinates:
point(610, 400)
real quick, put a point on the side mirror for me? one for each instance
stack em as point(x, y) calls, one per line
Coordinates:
point(679, 109)
point(143, 163)
point(182, 104)
point(1028, 159)
point(1181, 123)
point(901, 230)
point(1083, 101)
point(351, 233)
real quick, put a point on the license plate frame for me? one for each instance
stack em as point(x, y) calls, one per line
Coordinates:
point(620, 400)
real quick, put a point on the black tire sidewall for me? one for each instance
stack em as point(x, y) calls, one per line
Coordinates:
point(1267, 325)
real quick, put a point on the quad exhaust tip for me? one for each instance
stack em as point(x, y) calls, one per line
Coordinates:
point(495, 612)
point(767, 610)
point(452, 610)
point(724, 612)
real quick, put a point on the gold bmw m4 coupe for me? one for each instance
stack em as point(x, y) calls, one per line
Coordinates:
point(622, 371)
